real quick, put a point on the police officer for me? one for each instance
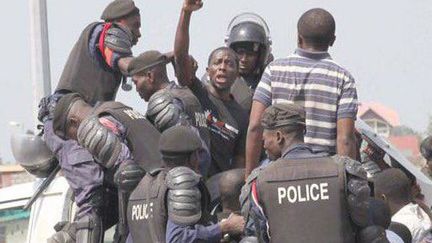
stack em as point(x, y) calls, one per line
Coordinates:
point(99, 60)
point(116, 136)
point(248, 35)
point(170, 204)
point(95, 68)
point(168, 103)
point(300, 196)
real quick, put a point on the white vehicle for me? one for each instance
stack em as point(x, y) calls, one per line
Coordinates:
point(34, 225)
point(37, 224)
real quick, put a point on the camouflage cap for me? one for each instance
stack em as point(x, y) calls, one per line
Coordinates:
point(61, 112)
point(281, 115)
point(118, 9)
point(178, 140)
point(147, 60)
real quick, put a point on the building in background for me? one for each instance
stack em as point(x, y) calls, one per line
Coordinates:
point(11, 174)
point(386, 122)
point(378, 116)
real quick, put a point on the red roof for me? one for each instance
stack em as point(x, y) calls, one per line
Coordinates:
point(409, 143)
point(387, 114)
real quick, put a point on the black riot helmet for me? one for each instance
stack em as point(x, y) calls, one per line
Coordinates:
point(250, 28)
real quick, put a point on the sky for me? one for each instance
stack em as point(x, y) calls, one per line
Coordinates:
point(384, 44)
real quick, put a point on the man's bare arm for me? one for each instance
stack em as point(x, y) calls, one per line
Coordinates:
point(346, 142)
point(184, 67)
point(254, 137)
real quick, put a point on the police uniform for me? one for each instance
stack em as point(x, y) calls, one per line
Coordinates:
point(87, 73)
point(138, 146)
point(159, 199)
point(250, 31)
point(140, 136)
point(306, 196)
point(115, 135)
point(88, 70)
point(174, 105)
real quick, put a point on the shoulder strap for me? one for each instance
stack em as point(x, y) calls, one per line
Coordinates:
point(246, 191)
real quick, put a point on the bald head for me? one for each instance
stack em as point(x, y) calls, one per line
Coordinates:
point(230, 184)
point(394, 185)
point(316, 27)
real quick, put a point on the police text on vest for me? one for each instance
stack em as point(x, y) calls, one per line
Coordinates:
point(303, 193)
point(142, 211)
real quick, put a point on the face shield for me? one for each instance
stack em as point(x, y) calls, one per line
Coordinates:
point(31, 152)
point(250, 27)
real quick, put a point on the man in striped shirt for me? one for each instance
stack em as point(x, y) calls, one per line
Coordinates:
point(310, 78)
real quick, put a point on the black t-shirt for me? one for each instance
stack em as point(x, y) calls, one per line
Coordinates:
point(241, 90)
point(228, 124)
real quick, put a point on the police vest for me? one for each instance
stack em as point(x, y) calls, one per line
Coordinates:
point(242, 93)
point(304, 201)
point(193, 109)
point(85, 75)
point(147, 213)
point(141, 135)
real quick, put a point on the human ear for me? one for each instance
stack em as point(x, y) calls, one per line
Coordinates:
point(333, 39)
point(299, 40)
point(279, 138)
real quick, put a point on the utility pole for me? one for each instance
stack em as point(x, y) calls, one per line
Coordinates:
point(39, 49)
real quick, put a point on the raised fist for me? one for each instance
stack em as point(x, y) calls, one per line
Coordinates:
point(192, 5)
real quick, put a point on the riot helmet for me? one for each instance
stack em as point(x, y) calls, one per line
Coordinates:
point(250, 28)
point(31, 152)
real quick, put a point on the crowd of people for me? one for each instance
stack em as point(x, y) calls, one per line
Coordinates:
point(257, 150)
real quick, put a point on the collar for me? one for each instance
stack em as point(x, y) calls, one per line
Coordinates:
point(209, 92)
point(317, 55)
point(302, 150)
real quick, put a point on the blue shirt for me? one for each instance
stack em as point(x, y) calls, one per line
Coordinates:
point(194, 233)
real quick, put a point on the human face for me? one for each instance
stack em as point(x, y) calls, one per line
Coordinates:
point(143, 85)
point(134, 24)
point(222, 70)
point(272, 144)
point(247, 61)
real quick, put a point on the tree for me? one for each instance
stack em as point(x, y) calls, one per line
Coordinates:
point(403, 131)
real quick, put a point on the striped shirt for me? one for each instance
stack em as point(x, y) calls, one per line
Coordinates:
point(315, 81)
